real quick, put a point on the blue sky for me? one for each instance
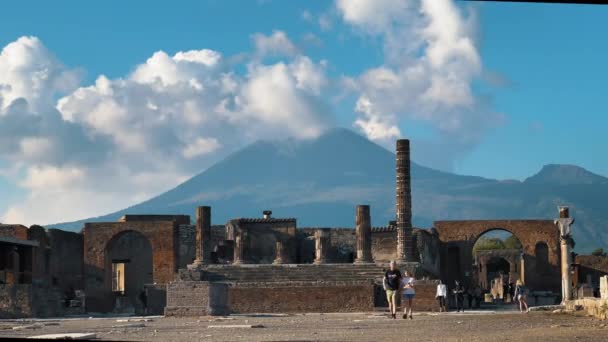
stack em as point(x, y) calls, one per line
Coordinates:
point(547, 63)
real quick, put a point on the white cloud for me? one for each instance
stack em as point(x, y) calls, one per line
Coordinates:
point(276, 44)
point(105, 146)
point(29, 71)
point(200, 146)
point(430, 63)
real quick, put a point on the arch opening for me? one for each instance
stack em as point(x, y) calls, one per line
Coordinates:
point(497, 255)
point(129, 266)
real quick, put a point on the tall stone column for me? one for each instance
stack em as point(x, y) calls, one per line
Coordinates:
point(405, 248)
point(280, 253)
point(322, 244)
point(240, 242)
point(203, 236)
point(364, 235)
point(564, 222)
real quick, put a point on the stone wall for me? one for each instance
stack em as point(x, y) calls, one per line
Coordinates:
point(14, 230)
point(591, 267)
point(196, 298)
point(187, 245)
point(301, 297)
point(156, 299)
point(66, 260)
point(16, 301)
point(29, 300)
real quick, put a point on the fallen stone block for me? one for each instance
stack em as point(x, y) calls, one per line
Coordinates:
point(29, 326)
point(236, 326)
point(68, 336)
point(132, 325)
point(134, 320)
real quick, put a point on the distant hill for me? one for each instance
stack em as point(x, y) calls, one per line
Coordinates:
point(320, 181)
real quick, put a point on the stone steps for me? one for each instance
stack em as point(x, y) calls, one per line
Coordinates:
point(287, 273)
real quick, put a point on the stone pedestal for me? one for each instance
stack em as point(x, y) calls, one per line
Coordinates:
point(604, 287)
point(203, 237)
point(405, 248)
point(280, 254)
point(240, 243)
point(322, 244)
point(197, 298)
point(364, 235)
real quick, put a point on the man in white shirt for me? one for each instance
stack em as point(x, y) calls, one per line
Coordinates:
point(441, 296)
point(407, 283)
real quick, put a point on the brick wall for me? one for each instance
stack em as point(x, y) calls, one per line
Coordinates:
point(196, 298)
point(163, 239)
point(460, 237)
point(423, 301)
point(304, 297)
point(14, 230)
point(187, 245)
point(16, 301)
point(66, 260)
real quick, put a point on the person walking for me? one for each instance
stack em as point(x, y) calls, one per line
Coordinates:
point(407, 284)
point(521, 295)
point(459, 294)
point(478, 298)
point(441, 295)
point(391, 283)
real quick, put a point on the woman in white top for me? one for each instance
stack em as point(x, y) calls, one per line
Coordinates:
point(407, 283)
point(441, 295)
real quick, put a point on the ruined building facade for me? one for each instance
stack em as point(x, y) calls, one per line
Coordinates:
point(168, 264)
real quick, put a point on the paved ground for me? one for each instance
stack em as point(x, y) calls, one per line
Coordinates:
point(487, 326)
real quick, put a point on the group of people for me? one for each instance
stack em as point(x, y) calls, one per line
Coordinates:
point(395, 283)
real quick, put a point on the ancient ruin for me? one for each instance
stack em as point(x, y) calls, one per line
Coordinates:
point(164, 264)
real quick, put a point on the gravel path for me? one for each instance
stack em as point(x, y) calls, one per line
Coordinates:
point(486, 326)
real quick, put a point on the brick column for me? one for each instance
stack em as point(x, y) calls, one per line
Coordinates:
point(564, 222)
point(203, 236)
point(364, 235)
point(280, 256)
point(321, 245)
point(405, 248)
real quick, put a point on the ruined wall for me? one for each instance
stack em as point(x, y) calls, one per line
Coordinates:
point(163, 238)
point(29, 300)
point(16, 301)
point(16, 231)
point(384, 244)
point(187, 245)
point(66, 260)
point(343, 243)
point(458, 238)
point(259, 246)
point(301, 297)
point(592, 267)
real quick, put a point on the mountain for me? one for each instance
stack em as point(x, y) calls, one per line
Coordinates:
point(320, 181)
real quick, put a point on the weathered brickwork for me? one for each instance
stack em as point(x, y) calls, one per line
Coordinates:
point(14, 230)
point(459, 237)
point(163, 238)
point(196, 298)
point(66, 260)
point(29, 300)
point(591, 268)
point(187, 245)
point(301, 297)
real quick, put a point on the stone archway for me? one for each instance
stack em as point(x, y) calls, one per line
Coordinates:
point(464, 234)
point(128, 267)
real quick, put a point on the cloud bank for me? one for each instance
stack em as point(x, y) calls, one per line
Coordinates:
point(85, 150)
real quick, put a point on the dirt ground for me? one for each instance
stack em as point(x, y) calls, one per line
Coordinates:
point(472, 326)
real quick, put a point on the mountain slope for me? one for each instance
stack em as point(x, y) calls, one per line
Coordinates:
point(320, 181)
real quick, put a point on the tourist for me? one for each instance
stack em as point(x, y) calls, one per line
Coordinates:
point(470, 296)
point(441, 295)
point(459, 294)
point(391, 282)
point(521, 295)
point(478, 295)
point(407, 283)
